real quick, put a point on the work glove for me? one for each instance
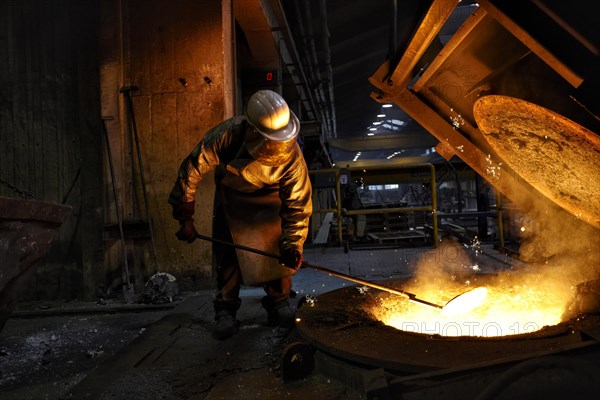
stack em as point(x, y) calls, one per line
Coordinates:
point(184, 212)
point(187, 231)
point(291, 258)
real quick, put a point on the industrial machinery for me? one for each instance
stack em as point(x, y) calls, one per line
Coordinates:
point(512, 93)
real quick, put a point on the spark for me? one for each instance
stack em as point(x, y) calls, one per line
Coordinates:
point(475, 245)
point(457, 120)
point(310, 300)
point(493, 169)
point(363, 289)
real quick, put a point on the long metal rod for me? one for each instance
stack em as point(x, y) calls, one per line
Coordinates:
point(115, 196)
point(410, 296)
point(128, 99)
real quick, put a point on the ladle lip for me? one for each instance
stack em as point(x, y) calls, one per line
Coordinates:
point(465, 302)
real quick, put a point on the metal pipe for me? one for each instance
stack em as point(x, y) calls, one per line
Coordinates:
point(298, 73)
point(327, 52)
point(338, 200)
point(499, 221)
point(393, 29)
point(387, 210)
point(304, 16)
point(434, 205)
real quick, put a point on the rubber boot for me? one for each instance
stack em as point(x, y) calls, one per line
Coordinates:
point(225, 323)
point(279, 313)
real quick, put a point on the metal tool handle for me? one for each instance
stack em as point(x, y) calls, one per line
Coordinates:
point(410, 296)
point(115, 195)
point(133, 126)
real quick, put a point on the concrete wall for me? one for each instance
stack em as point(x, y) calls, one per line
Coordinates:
point(62, 67)
point(173, 52)
point(50, 135)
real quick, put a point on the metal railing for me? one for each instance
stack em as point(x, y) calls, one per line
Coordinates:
point(432, 208)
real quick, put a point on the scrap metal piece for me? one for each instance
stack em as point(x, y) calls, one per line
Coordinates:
point(161, 288)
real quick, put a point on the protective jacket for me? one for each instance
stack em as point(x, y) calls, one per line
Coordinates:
point(222, 150)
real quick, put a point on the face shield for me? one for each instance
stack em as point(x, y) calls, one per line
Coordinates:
point(266, 151)
point(273, 128)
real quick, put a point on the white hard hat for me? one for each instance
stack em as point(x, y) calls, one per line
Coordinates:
point(268, 113)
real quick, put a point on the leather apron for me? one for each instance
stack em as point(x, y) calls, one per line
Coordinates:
point(249, 216)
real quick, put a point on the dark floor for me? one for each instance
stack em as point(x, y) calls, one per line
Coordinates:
point(117, 351)
point(112, 352)
point(77, 350)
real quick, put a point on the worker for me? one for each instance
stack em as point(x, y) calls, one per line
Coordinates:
point(263, 196)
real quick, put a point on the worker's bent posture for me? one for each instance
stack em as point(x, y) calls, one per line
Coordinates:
point(262, 199)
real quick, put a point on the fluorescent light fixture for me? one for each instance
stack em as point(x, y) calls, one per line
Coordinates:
point(370, 134)
point(387, 105)
point(394, 154)
point(372, 129)
point(376, 122)
point(380, 115)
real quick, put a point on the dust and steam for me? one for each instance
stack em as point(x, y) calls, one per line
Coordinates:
point(556, 278)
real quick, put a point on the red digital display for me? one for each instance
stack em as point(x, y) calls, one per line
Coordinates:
point(260, 77)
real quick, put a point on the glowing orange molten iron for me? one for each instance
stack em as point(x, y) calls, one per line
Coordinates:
point(498, 309)
point(463, 303)
point(560, 159)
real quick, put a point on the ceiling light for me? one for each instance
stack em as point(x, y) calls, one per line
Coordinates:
point(376, 122)
point(394, 154)
point(372, 129)
point(370, 134)
point(388, 105)
point(380, 115)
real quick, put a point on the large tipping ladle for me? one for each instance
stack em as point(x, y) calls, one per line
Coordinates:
point(461, 303)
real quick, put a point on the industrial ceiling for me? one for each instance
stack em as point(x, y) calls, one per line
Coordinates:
point(345, 42)
point(353, 39)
